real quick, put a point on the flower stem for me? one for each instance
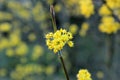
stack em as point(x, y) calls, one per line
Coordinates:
point(63, 64)
point(55, 29)
point(53, 17)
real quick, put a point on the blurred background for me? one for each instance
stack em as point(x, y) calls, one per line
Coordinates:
point(95, 25)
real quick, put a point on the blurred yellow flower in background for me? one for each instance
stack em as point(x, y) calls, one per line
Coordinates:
point(86, 8)
point(4, 43)
point(104, 10)
point(21, 49)
point(14, 39)
point(37, 52)
point(56, 41)
point(83, 74)
point(108, 25)
point(49, 70)
point(73, 28)
point(58, 8)
point(3, 72)
point(22, 71)
point(50, 1)
point(32, 37)
point(113, 3)
point(84, 29)
point(5, 16)
point(100, 74)
point(39, 13)
point(5, 27)
point(10, 52)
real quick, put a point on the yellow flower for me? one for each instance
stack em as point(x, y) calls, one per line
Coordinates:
point(86, 8)
point(100, 74)
point(84, 29)
point(70, 43)
point(9, 52)
point(5, 27)
point(113, 3)
point(108, 25)
point(21, 49)
point(4, 43)
point(73, 28)
point(28, 69)
point(84, 75)
point(49, 70)
point(58, 8)
point(37, 52)
point(104, 10)
point(14, 39)
point(56, 41)
point(32, 37)
point(5, 16)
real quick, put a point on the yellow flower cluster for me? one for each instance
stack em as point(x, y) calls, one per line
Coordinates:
point(104, 11)
point(20, 50)
point(109, 25)
point(86, 8)
point(19, 9)
point(84, 75)
point(56, 41)
point(84, 29)
point(22, 71)
point(38, 12)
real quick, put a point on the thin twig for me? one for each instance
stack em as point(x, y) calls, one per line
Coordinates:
point(116, 18)
point(63, 64)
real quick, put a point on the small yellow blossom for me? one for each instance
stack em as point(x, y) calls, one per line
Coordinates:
point(49, 70)
point(84, 29)
point(58, 8)
point(10, 52)
point(21, 49)
point(70, 43)
point(100, 74)
point(37, 52)
point(104, 10)
point(32, 37)
point(73, 28)
point(56, 41)
point(14, 39)
point(84, 75)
